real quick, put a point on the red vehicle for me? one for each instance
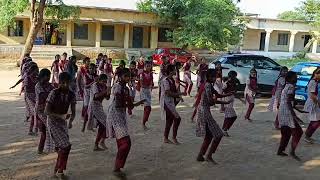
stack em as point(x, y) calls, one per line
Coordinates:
point(182, 55)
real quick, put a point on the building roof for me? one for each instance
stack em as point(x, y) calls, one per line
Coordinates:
point(115, 9)
point(273, 19)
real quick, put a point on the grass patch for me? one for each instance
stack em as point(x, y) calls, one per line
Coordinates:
point(292, 62)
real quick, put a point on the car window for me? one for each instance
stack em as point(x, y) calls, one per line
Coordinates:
point(307, 70)
point(245, 63)
point(265, 63)
point(173, 51)
point(297, 68)
point(182, 52)
point(159, 51)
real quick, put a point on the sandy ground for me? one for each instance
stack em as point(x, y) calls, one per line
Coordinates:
point(248, 154)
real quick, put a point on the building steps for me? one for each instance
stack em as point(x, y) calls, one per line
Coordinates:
point(49, 52)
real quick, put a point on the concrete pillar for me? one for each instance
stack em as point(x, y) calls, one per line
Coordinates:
point(267, 40)
point(291, 43)
point(126, 36)
point(69, 34)
point(315, 46)
point(154, 37)
point(98, 34)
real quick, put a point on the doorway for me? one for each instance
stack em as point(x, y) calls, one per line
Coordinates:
point(53, 34)
point(137, 40)
point(262, 41)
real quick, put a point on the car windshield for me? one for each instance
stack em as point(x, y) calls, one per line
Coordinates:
point(305, 70)
point(254, 61)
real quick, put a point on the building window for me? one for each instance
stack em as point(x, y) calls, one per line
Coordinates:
point(283, 39)
point(163, 35)
point(16, 29)
point(107, 32)
point(80, 31)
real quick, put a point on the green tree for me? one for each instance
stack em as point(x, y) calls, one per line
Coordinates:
point(55, 10)
point(212, 24)
point(310, 12)
point(292, 15)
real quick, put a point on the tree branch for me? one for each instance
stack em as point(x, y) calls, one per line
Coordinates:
point(33, 4)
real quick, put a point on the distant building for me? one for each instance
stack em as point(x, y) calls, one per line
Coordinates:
point(97, 27)
point(274, 36)
point(121, 28)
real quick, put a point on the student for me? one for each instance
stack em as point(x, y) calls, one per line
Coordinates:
point(206, 126)
point(25, 59)
point(42, 90)
point(140, 65)
point(72, 69)
point(99, 58)
point(288, 119)
point(117, 119)
point(163, 71)
point(132, 83)
point(30, 79)
point(187, 77)
point(276, 94)
point(63, 62)
point(99, 92)
point(218, 85)
point(58, 103)
point(108, 70)
point(250, 92)
point(83, 71)
point(101, 67)
point(146, 80)
point(88, 79)
point(168, 100)
point(230, 114)
point(55, 70)
point(118, 70)
point(313, 106)
point(201, 72)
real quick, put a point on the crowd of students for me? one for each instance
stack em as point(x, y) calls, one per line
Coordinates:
point(51, 106)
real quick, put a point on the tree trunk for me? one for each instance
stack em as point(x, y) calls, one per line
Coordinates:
point(36, 23)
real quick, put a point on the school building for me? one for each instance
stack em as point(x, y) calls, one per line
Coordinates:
point(275, 37)
point(107, 28)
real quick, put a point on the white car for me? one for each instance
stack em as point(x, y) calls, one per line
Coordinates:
point(267, 69)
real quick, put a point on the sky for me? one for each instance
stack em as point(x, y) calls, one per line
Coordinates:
point(266, 8)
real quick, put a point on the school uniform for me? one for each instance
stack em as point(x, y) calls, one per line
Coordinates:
point(42, 91)
point(140, 67)
point(132, 86)
point(206, 126)
point(146, 80)
point(72, 69)
point(286, 121)
point(88, 81)
point(230, 114)
point(162, 75)
point(108, 70)
point(58, 128)
point(250, 94)
point(187, 77)
point(96, 114)
point(117, 121)
point(312, 108)
point(218, 86)
point(101, 67)
point(169, 114)
point(80, 80)
point(201, 77)
point(29, 82)
point(63, 66)
point(276, 94)
point(55, 73)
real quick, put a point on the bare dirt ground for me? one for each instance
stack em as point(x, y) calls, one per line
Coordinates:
point(250, 152)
